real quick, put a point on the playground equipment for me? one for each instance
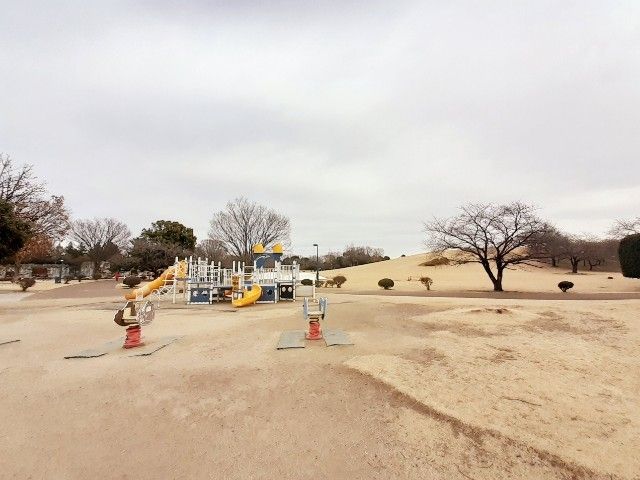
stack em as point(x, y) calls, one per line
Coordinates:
point(314, 310)
point(164, 284)
point(202, 281)
point(134, 315)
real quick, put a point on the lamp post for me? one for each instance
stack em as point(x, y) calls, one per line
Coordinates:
point(317, 264)
point(60, 274)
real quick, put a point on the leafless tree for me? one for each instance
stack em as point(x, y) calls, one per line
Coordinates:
point(623, 228)
point(214, 250)
point(575, 249)
point(495, 236)
point(553, 242)
point(242, 224)
point(101, 237)
point(599, 252)
point(19, 186)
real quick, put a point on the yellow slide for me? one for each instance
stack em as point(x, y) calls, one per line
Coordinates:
point(248, 296)
point(159, 282)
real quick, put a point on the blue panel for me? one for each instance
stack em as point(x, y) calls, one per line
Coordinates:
point(268, 293)
point(200, 295)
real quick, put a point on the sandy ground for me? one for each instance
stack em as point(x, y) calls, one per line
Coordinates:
point(471, 277)
point(433, 388)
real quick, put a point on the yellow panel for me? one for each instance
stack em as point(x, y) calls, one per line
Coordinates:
point(277, 248)
point(258, 248)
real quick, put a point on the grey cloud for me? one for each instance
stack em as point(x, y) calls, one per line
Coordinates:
point(358, 119)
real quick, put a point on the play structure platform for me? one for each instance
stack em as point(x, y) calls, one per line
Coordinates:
point(203, 281)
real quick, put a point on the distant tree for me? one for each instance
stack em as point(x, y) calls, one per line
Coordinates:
point(361, 255)
point(14, 232)
point(101, 238)
point(427, 282)
point(243, 224)
point(553, 242)
point(38, 249)
point(575, 250)
point(74, 257)
point(46, 214)
point(495, 236)
point(170, 232)
point(154, 256)
point(629, 252)
point(599, 252)
point(623, 228)
point(211, 249)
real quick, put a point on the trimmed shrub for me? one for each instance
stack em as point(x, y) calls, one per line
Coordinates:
point(435, 262)
point(26, 282)
point(427, 282)
point(329, 283)
point(339, 280)
point(565, 285)
point(131, 281)
point(306, 281)
point(629, 254)
point(385, 283)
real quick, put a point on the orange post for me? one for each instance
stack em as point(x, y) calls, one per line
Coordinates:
point(133, 338)
point(315, 332)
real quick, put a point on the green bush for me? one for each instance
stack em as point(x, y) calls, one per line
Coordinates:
point(427, 282)
point(338, 280)
point(629, 254)
point(26, 282)
point(131, 281)
point(565, 285)
point(306, 281)
point(386, 283)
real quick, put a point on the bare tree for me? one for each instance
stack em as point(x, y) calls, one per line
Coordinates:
point(495, 236)
point(211, 249)
point(46, 214)
point(575, 250)
point(242, 224)
point(100, 237)
point(624, 228)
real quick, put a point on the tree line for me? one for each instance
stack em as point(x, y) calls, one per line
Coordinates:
point(501, 236)
point(35, 224)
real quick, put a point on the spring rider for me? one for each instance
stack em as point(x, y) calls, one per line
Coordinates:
point(314, 310)
point(133, 316)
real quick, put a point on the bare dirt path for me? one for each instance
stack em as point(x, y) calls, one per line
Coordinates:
point(97, 289)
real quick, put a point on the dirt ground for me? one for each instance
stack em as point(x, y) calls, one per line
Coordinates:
point(438, 388)
point(540, 279)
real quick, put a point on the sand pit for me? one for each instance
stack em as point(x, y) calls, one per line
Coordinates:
point(431, 388)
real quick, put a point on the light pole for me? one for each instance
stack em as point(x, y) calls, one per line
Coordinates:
point(317, 265)
point(60, 274)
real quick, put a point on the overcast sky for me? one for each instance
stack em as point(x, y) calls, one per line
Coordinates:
point(357, 119)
